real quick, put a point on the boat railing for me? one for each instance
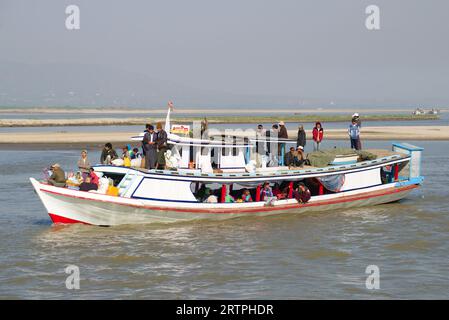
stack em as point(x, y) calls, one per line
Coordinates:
point(331, 168)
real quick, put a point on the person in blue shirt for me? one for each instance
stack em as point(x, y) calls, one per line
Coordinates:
point(354, 135)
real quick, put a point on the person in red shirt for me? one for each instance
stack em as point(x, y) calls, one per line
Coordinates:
point(317, 133)
point(93, 177)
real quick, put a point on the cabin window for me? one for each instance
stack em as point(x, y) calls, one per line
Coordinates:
point(116, 177)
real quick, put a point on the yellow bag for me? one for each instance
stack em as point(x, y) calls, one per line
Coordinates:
point(127, 162)
point(112, 191)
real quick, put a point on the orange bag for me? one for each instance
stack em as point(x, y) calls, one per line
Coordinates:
point(112, 191)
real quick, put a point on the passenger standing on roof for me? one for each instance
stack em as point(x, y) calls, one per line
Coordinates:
point(354, 135)
point(301, 140)
point(161, 143)
point(283, 134)
point(318, 134)
point(149, 142)
point(272, 135)
point(261, 145)
point(356, 118)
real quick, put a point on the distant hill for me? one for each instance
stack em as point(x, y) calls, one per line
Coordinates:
point(93, 85)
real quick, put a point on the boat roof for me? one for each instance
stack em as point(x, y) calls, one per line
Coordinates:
point(277, 174)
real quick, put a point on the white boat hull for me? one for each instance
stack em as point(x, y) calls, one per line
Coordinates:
point(69, 206)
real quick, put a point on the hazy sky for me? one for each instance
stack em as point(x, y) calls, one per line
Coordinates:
point(313, 50)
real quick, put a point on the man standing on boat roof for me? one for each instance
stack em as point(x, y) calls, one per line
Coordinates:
point(283, 134)
point(261, 145)
point(301, 140)
point(354, 135)
point(161, 142)
point(318, 134)
point(272, 135)
point(150, 147)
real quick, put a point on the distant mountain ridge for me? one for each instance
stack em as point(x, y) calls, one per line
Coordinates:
point(66, 84)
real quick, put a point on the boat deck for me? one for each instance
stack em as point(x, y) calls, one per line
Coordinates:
point(284, 172)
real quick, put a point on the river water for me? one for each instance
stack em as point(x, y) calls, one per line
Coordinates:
point(315, 255)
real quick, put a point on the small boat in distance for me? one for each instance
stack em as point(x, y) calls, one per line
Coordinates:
point(420, 111)
point(225, 168)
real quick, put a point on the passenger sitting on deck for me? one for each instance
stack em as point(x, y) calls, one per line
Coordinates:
point(87, 185)
point(229, 198)
point(276, 189)
point(108, 154)
point(57, 177)
point(282, 194)
point(74, 180)
point(246, 196)
point(302, 193)
point(211, 198)
point(202, 193)
point(93, 177)
point(126, 157)
point(294, 158)
point(125, 153)
point(136, 154)
point(266, 192)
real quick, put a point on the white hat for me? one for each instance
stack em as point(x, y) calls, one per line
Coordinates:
point(355, 114)
point(281, 123)
point(301, 147)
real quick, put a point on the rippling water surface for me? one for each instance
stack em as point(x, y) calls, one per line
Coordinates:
point(316, 255)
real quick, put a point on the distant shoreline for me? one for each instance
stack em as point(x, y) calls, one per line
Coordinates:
point(69, 140)
point(307, 118)
point(199, 111)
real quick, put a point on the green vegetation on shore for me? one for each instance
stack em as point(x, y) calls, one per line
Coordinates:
point(306, 118)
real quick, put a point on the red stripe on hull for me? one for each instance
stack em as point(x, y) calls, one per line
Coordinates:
point(59, 219)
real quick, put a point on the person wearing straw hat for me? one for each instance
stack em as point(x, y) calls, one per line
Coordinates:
point(57, 177)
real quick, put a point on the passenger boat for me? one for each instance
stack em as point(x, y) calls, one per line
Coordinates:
point(160, 196)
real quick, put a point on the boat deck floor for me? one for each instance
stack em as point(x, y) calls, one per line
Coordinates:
point(380, 153)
